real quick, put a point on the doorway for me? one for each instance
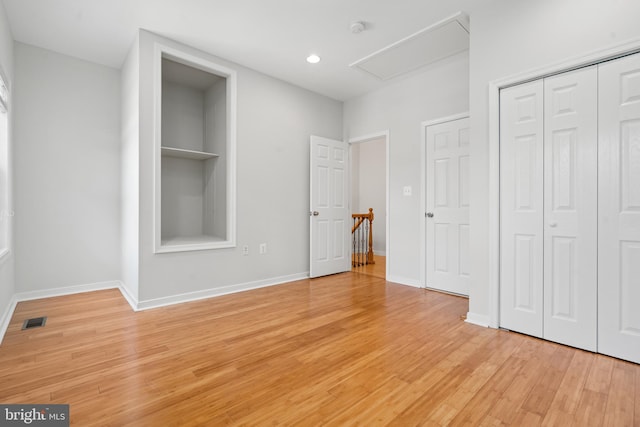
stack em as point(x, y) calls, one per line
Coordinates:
point(369, 190)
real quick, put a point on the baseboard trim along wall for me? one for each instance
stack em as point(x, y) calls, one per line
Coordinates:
point(69, 290)
point(404, 281)
point(6, 317)
point(477, 319)
point(215, 292)
point(133, 301)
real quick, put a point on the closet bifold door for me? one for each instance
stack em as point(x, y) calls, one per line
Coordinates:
point(521, 208)
point(619, 209)
point(571, 208)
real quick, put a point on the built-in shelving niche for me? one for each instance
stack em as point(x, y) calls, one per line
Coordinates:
point(195, 155)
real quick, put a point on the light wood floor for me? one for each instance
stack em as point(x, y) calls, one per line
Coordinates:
point(378, 269)
point(348, 349)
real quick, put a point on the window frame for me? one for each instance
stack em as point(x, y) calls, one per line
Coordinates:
point(6, 212)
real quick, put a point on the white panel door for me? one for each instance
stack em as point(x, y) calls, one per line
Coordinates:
point(571, 208)
point(619, 209)
point(330, 227)
point(447, 204)
point(521, 208)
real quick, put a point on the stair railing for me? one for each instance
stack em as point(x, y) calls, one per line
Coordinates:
point(362, 239)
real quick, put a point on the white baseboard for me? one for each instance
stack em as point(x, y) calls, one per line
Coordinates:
point(132, 300)
point(6, 317)
point(404, 281)
point(210, 293)
point(69, 290)
point(477, 319)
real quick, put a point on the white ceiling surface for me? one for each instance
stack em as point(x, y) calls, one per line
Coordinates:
point(271, 36)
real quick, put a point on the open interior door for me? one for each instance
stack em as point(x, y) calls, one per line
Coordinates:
point(329, 211)
point(447, 203)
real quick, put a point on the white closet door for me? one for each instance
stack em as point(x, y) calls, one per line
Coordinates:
point(447, 160)
point(571, 208)
point(521, 208)
point(619, 209)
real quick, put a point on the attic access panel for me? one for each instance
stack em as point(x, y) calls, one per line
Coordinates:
point(431, 44)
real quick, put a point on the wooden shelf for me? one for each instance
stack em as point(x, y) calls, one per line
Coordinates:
point(187, 154)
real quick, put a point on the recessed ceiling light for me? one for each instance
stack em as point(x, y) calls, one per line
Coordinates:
point(313, 59)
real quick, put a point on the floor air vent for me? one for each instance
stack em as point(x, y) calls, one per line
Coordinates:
point(36, 322)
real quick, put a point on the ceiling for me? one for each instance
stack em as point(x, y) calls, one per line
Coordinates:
point(271, 36)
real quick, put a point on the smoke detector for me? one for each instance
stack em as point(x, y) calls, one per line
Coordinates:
point(357, 27)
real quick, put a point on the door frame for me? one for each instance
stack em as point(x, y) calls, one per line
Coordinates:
point(423, 187)
point(591, 58)
point(362, 139)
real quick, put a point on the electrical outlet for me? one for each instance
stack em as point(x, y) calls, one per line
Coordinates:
point(263, 248)
point(406, 190)
point(245, 250)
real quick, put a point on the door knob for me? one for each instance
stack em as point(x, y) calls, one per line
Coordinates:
point(429, 214)
point(553, 224)
point(314, 213)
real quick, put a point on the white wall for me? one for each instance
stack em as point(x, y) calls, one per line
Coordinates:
point(67, 185)
point(7, 285)
point(369, 162)
point(512, 37)
point(439, 91)
point(130, 169)
point(275, 120)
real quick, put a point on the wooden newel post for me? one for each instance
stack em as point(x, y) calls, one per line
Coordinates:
point(370, 259)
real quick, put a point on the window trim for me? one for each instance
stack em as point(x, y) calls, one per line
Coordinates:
point(6, 212)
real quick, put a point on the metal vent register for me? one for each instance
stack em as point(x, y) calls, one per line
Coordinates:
point(36, 322)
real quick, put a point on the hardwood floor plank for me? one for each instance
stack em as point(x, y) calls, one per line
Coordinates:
point(378, 407)
point(569, 392)
point(599, 379)
point(377, 270)
point(543, 392)
point(349, 349)
point(500, 355)
point(590, 411)
point(620, 402)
